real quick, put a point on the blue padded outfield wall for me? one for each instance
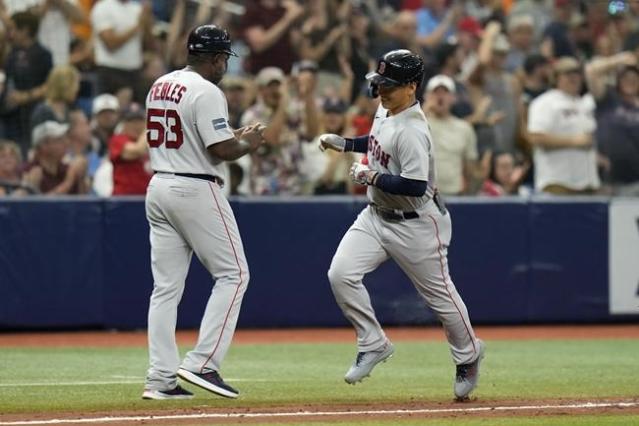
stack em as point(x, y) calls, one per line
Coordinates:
point(85, 263)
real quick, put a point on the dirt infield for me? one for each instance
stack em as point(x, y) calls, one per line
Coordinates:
point(329, 335)
point(302, 414)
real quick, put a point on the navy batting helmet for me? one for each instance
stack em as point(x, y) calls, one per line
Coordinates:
point(209, 39)
point(396, 68)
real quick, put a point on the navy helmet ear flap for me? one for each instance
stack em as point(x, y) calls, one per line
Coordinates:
point(373, 90)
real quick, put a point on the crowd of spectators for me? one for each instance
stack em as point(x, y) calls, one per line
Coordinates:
point(522, 96)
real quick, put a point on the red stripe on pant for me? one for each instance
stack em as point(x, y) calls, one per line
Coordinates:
point(441, 264)
point(219, 339)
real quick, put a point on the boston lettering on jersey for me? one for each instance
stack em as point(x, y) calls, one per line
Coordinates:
point(377, 153)
point(167, 91)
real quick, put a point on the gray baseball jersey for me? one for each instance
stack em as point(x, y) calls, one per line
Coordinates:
point(401, 145)
point(185, 115)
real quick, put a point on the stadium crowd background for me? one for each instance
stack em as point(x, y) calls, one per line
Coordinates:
point(523, 96)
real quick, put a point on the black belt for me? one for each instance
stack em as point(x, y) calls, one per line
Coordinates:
point(210, 178)
point(388, 214)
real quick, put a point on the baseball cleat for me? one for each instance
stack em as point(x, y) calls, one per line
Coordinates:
point(211, 381)
point(176, 393)
point(467, 375)
point(366, 361)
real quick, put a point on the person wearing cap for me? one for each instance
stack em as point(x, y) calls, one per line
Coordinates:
point(469, 34)
point(454, 140)
point(497, 91)
point(47, 171)
point(521, 31)
point(293, 119)
point(449, 57)
point(617, 114)
point(128, 151)
point(561, 126)
point(105, 112)
point(238, 97)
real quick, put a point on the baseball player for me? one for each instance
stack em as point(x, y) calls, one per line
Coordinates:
point(405, 220)
point(189, 138)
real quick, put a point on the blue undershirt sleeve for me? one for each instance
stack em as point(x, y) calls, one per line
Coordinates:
point(400, 185)
point(357, 144)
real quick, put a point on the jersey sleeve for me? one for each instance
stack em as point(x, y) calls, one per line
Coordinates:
point(211, 117)
point(413, 154)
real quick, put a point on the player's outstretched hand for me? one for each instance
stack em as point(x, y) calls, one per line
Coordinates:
point(331, 141)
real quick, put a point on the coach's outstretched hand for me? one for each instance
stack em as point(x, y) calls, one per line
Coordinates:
point(331, 141)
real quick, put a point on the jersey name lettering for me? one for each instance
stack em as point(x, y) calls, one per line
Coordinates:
point(375, 148)
point(167, 91)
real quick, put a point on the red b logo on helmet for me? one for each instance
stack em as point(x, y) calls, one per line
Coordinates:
point(382, 67)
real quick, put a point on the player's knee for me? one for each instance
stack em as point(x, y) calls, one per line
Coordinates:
point(337, 274)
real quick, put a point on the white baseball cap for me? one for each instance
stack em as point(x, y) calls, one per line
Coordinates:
point(269, 74)
point(105, 101)
point(441, 80)
point(47, 129)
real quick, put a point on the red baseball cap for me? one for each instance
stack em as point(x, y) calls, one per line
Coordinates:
point(470, 25)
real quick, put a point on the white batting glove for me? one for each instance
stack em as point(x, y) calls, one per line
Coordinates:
point(331, 141)
point(360, 173)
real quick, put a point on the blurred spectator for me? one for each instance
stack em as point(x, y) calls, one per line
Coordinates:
point(360, 50)
point(238, 98)
point(403, 35)
point(56, 17)
point(47, 171)
point(10, 170)
point(128, 152)
point(504, 176)
point(80, 140)
point(449, 58)
point(271, 33)
point(540, 10)
point(324, 37)
point(329, 169)
point(497, 90)
point(454, 140)
point(435, 22)
point(617, 116)
point(62, 89)
point(120, 27)
point(561, 124)
point(520, 35)
point(27, 68)
point(183, 19)
point(469, 33)
point(485, 10)
point(535, 80)
point(105, 112)
point(556, 38)
point(292, 120)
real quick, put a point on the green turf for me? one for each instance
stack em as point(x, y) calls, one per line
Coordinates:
point(45, 379)
point(603, 420)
